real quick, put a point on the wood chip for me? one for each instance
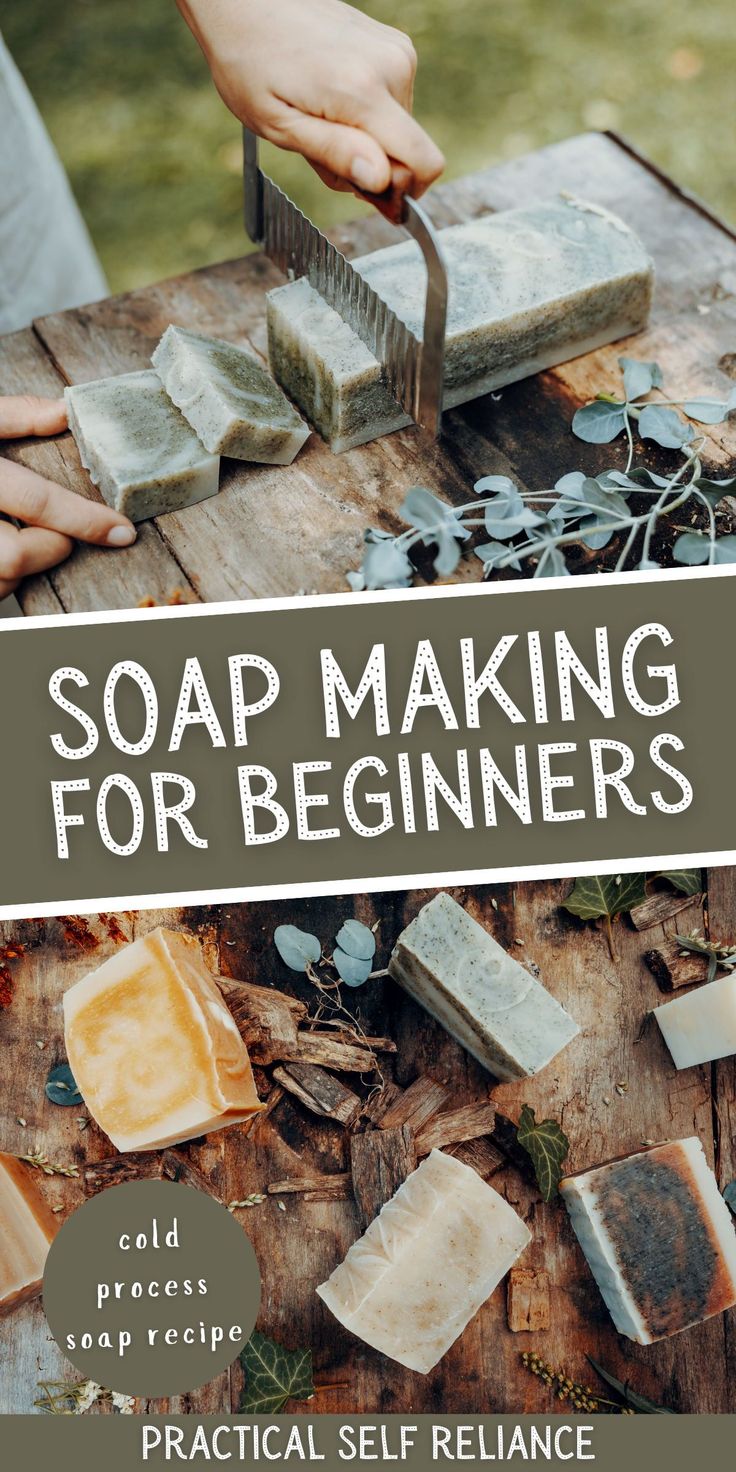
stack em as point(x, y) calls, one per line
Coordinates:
point(331, 1050)
point(320, 1092)
point(170, 1165)
point(671, 969)
point(380, 1101)
point(416, 1105)
point(482, 1155)
point(456, 1125)
point(267, 1019)
point(659, 907)
point(338, 1187)
point(527, 1300)
point(503, 1136)
point(381, 1160)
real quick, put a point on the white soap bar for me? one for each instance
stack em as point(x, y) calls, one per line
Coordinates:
point(491, 1004)
point(528, 288)
point(155, 1052)
point(137, 447)
point(427, 1262)
point(701, 1025)
point(228, 398)
point(659, 1239)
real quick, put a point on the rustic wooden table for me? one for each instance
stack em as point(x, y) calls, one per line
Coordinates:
point(612, 1088)
point(273, 532)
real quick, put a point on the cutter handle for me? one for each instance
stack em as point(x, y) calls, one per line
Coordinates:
point(392, 201)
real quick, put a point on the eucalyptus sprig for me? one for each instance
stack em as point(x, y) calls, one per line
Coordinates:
point(537, 526)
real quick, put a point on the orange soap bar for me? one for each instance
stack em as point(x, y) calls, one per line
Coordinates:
point(27, 1228)
point(153, 1048)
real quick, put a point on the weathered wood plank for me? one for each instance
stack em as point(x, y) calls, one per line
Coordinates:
point(284, 531)
point(721, 900)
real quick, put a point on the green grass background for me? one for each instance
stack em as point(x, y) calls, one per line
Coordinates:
point(154, 156)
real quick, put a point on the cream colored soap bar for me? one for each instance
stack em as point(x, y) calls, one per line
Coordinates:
point(528, 288)
point(137, 447)
point(27, 1228)
point(229, 399)
point(427, 1262)
point(155, 1051)
point(700, 1026)
point(491, 1004)
point(659, 1238)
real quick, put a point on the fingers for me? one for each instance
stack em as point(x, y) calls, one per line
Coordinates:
point(401, 137)
point(24, 552)
point(335, 148)
point(26, 414)
point(39, 502)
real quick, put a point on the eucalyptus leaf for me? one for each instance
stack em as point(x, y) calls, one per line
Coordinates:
point(608, 895)
point(640, 378)
point(706, 411)
point(551, 563)
point(297, 948)
point(357, 940)
point(495, 554)
point(351, 969)
point(599, 423)
point(664, 426)
point(62, 1088)
point(273, 1376)
point(385, 565)
point(692, 549)
point(686, 881)
point(724, 550)
point(548, 1148)
point(631, 1397)
point(506, 514)
point(729, 1196)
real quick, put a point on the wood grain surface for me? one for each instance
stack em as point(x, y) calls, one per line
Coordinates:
point(611, 1089)
point(278, 531)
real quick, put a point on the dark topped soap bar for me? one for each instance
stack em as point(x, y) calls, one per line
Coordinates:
point(658, 1237)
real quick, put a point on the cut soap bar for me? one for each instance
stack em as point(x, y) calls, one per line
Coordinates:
point(701, 1025)
point(137, 447)
point(228, 398)
point(427, 1262)
point(27, 1228)
point(528, 288)
point(491, 1004)
point(659, 1239)
point(155, 1051)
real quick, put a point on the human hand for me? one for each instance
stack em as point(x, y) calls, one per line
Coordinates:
point(53, 517)
point(321, 79)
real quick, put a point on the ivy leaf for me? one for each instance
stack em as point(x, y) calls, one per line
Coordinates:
point(665, 427)
point(631, 1397)
point(273, 1375)
point(685, 881)
point(357, 940)
point(296, 947)
point(599, 423)
point(706, 411)
point(596, 896)
point(729, 1196)
point(640, 378)
point(547, 1146)
point(351, 969)
point(691, 549)
point(62, 1087)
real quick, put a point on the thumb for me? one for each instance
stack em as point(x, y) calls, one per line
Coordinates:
point(349, 153)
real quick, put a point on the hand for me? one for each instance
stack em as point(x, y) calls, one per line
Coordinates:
point(53, 516)
point(319, 78)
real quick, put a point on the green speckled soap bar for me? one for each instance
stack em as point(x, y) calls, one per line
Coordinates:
point(528, 288)
point(137, 447)
point(493, 1006)
point(228, 398)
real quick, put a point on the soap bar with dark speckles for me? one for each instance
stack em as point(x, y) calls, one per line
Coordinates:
point(659, 1239)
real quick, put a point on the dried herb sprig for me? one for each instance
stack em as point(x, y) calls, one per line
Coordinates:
point(62, 1398)
point(255, 1199)
point(41, 1162)
point(719, 952)
point(580, 1397)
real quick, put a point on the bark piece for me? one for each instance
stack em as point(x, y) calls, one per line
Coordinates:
point(659, 907)
point(337, 1187)
point(456, 1125)
point(267, 1019)
point(672, 969)
point(379, 1102)
point(169, 1165)
point(381, 1160)
point(416, 1105)
point(320, 1092)
point(344, 1052)
point(527, 1301)
point(482, 1155)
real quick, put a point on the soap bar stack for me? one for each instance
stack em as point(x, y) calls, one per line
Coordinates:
point(447, 962)
point(155, 1052)
point(152, 440)
point(658, 1237)
point(528, 288)
point(27, 1228)
point(427, 1262)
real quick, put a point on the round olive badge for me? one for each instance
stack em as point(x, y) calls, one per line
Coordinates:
point(151, 1288)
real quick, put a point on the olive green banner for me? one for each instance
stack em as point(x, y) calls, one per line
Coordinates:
point(124, 1443)
point(356, 742)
